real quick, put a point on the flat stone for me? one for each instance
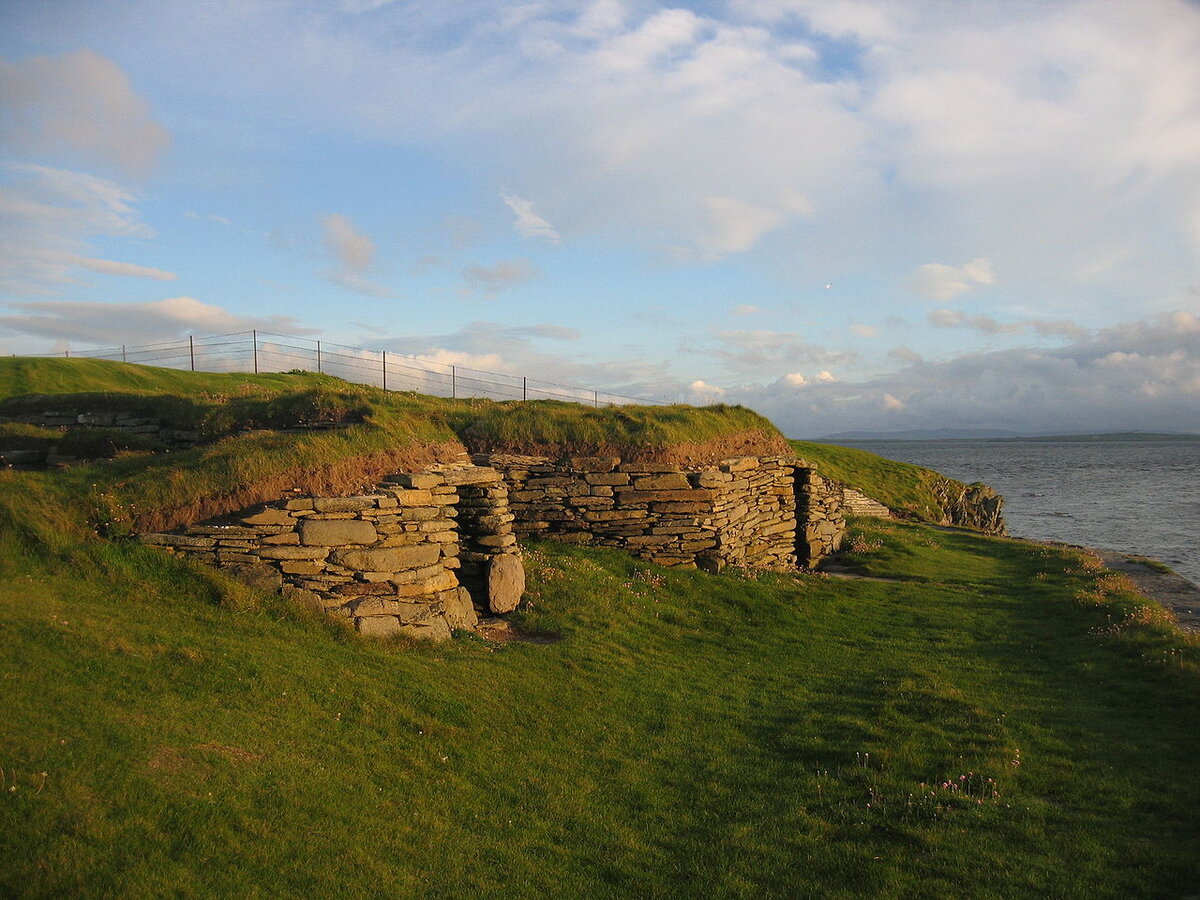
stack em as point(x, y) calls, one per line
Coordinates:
point(460, 611)
point(377, 626)
point(260, 576)
point(292, 552)
point(599, 464)
point(675, 481)
point(505, 583)
point(435, 630)
point(342, 504)
point(420, 481)
point(336, 532)
point(388, 559)
point(269, 517)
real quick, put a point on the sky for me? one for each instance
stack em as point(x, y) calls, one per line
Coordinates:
point(845, 214)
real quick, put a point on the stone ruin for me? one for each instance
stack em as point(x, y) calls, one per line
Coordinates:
point(429, 552)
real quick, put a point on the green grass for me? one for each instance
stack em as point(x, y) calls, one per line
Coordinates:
point(902, 487)
point(168, 733)
point(257, 443)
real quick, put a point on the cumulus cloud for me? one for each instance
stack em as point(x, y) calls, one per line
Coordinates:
point(48, 216)
point(515, 352)
point(109, 324)
point(764, 349)
point(528, 223)
point(80, 102)
point(942, 282)
point(1140, 375)
point(984, 324)
point(501, 276)
point(355, 252)
point(130, 270)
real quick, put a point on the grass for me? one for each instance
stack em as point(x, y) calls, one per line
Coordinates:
point(962, 730)
point(902, 487)
point(258, 444)
point(973, 718)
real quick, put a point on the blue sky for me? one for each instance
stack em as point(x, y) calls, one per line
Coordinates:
point(846, 214)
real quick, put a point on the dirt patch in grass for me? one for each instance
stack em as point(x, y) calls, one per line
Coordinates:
point(336, 479)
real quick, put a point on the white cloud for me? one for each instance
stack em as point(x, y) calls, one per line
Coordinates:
point(501, 276)
point(109, 324)
point(865, 331)
point(985, 324)
point(942, 282)
point(1141, 375)
point(129, 270)
point(735, 226)
point(528, 223)
point(47, 217)
point(745, 309)
point(80, 102)
point(795, 379)
point(355, 252)
point(765, 349)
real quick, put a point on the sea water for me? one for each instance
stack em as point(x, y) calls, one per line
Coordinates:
point(1139, 497)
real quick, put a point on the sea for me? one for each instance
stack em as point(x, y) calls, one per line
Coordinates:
point(1140, 497)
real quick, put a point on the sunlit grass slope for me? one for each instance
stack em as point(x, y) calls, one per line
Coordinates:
point(258, 443)
point(900, 486)
point(1003, 721)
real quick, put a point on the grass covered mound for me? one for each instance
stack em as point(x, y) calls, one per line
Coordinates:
point(679, 434)
point(909, 490)
point(995, 720)
point(258, 442)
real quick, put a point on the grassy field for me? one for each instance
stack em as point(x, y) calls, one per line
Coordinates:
point(972, 717)
point(998, 720)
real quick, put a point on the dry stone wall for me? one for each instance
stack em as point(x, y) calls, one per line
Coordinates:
point(400, 560)
point(128, 421)
point(426, 553)
point(740, 512)
point(820, 514)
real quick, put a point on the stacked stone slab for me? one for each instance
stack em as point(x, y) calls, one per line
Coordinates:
point(387, 560)
point(741, 511)
point(856, 503)
point(125, 420)
point(821, 522)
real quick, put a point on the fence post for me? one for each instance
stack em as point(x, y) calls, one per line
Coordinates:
point(123, 359)
point(453, 383)
point(524, 388)
point(596, 399)
point(192, 351)
point(254, 338)
point(318, 357)
point(385, 370)
point(67, 353)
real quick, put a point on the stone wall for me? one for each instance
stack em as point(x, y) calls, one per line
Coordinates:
point(740, 512)
point(856, 503)
point(428, 552)
point(129, 421)
point(820, 516)
point(417, 556)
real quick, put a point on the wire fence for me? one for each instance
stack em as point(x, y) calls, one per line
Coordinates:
point(261, 352)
